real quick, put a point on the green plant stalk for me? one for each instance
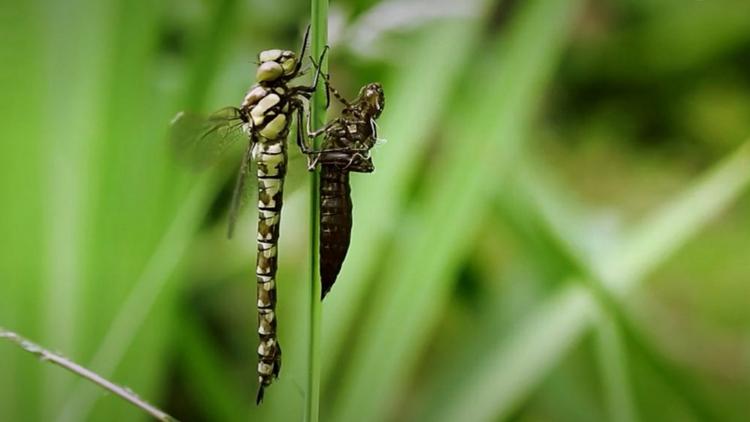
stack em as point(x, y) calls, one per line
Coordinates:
point(319, 37)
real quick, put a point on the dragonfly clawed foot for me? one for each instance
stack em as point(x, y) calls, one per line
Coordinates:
point(354, 156)
point(312, 162)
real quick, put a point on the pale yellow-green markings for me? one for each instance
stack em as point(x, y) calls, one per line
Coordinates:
point(267, 107)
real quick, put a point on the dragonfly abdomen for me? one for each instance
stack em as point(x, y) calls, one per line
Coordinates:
point(335, 223)
point(271, 159)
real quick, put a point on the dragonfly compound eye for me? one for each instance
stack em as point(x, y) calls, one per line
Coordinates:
point(288, 61)
point(269, 55)
point(268, 71)
point(289, 65)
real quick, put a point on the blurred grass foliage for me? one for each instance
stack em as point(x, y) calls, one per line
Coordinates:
point(557, 228)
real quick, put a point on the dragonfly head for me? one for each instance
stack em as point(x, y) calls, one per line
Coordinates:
point(373, 98)
point(275, 64)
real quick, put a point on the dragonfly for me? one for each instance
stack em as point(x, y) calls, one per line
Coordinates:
point(263, 119)
point(346, 147)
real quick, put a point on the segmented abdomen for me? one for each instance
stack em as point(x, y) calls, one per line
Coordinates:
point(335, 223)
point(271, 159)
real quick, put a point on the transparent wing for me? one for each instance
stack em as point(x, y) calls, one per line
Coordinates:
point(246, 183)
point(239, 194)
point(200, 139)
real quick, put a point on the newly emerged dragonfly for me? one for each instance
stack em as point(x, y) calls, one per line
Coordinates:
point(345, 148)
point(263, 118)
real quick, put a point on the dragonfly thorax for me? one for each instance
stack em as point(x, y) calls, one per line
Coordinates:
point(266, 110)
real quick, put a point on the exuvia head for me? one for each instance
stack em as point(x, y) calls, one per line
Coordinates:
point(275, 64)
point(372, 94)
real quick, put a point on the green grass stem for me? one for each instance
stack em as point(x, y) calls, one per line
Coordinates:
point(612, 359)
point(319, 37)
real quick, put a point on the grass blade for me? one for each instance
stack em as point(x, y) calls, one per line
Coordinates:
point(319, 37)
point(415, 286)
point(206, 374)
point(56, 359)
point(670, 226)
point(677, 221)
point(518, 363)
point(613, 366)
point(22, 175)
point(135, 310)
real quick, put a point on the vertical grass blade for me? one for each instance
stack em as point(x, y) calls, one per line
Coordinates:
point(77, 68)
point(612, 359)
point(414, 288)
point(22, 170)
point(146, 212)
point(206, 373)
point(136, 309)
point(319, 37)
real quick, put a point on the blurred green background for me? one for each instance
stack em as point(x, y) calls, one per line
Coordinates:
point(557, 228)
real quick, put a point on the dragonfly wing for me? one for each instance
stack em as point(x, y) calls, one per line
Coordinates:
point(239, 194)
point(200, 139)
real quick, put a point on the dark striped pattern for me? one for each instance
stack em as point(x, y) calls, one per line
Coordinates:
point(346, 148)
point(270, 155)
point(269, 106)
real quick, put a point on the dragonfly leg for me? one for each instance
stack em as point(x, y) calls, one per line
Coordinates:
point(307, 149)
point(302, 51)
point(336, 94)
point(329, 87)
point(312, 162)
point(314, 133)
point(327, 79)
point(307, 91)
point(353, 157)
point(300, 132)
